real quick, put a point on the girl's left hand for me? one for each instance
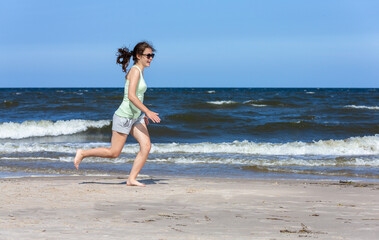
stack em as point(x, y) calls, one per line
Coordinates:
point(146, 120)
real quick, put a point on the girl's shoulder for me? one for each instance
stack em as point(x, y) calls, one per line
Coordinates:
point(133, 72)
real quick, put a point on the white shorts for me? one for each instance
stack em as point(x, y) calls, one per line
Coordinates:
point(125, 125)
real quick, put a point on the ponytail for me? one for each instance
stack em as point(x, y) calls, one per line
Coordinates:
point(123, 57)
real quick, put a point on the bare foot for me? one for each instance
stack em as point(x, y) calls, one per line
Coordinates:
point(78, 158)
point(134, 183)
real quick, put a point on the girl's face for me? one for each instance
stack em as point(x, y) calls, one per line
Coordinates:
point(146, 58)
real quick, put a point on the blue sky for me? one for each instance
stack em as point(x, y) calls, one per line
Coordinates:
point(324, 43)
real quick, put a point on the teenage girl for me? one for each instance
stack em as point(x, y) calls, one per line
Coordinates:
point(128, 118)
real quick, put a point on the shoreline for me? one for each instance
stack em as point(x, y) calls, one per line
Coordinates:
point(97, 207)
point(289, 177)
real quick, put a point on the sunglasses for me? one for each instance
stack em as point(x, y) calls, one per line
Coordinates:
point(149, 55)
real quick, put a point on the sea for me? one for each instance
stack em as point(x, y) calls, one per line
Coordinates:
point(255, 133)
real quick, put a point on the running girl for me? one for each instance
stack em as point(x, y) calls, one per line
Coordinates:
point(128, 118)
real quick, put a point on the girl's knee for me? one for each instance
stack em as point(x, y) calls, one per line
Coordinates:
point(145, 148)
point(114, 154)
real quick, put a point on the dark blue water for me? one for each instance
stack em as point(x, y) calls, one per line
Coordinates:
point(241, 132)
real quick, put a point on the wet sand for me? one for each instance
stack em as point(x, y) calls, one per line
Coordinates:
point(186, 208)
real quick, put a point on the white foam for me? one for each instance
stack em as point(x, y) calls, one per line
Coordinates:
point(255, 161)
point(254, 103)
point(258, 105)
point(265, 161)
point(12, 147)
point(270, 162)
point(28, 158)
point(368, 145)
point(362, 107)
point(47, 128)
point(354, 146)
point(211, 91)
point(221, 102)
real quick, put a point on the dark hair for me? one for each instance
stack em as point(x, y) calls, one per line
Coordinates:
point(124, 54)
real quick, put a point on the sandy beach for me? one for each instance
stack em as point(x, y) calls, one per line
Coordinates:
point(186, 208)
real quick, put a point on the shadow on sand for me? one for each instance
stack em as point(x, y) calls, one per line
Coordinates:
point(144, 181)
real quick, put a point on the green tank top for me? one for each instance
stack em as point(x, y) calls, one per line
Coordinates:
point(127, 109)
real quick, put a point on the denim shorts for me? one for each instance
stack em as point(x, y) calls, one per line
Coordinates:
point(125, 125)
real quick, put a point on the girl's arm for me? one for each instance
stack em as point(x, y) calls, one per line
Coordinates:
point(133, 77)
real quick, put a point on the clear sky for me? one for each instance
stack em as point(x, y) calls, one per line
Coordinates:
point(200, 43)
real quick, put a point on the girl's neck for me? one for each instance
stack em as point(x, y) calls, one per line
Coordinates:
point(140, 66)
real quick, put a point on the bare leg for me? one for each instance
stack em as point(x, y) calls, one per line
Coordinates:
point(141, 134)
point(117, 143)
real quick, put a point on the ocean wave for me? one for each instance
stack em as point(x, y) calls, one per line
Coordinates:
point(41, 128)
point(368, 145)
point(253, 103)
point(278, 126)
point(268, 161)
point(222, 102)
point(193, 117)
point(367, 162)
point(271, 103)
point(354, 146)
point(362, 107)
point(258, 105)
point(363, 162)
point(304, 124)
point(9, 104)
point(310, 117)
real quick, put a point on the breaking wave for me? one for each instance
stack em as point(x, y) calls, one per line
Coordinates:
point(41, 128)
point(362, 107)
point(222, 102)
point(354, 146)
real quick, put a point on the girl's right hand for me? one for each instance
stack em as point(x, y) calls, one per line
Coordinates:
point(153, 116)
